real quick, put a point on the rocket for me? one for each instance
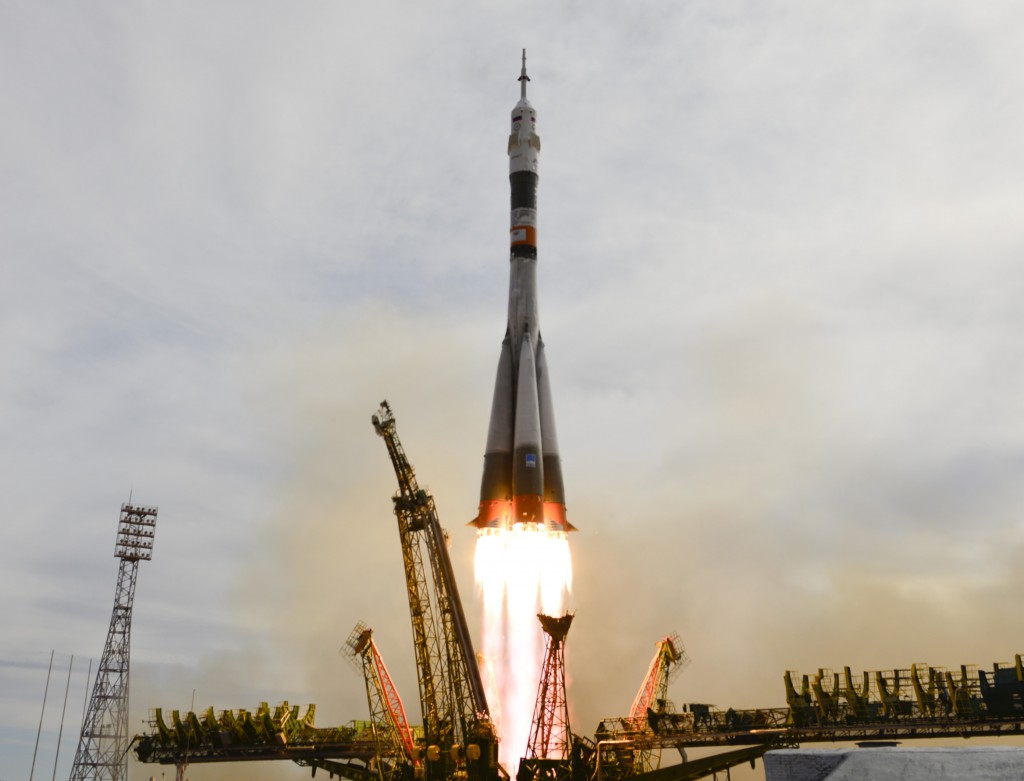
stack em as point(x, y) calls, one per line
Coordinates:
point(522, 479)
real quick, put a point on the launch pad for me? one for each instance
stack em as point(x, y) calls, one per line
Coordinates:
point(522, 490)
point(457, 739)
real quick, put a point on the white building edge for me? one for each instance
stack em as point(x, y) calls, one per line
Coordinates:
point(981, 763)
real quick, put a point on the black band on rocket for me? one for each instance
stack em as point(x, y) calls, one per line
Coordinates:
point(524, 189)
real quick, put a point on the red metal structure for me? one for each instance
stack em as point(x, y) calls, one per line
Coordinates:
point(549, 743)
point(669, 659)
point(387, 713)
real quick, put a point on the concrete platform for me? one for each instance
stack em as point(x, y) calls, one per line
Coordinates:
point(983, 763)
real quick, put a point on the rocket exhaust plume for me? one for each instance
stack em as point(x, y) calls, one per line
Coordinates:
point(522, 563)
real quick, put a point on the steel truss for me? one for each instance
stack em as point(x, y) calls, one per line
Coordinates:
point(102, 753)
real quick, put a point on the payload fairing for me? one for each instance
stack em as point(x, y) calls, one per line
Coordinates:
point(522, 480)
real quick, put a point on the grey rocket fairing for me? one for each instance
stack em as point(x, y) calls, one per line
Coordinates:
point(522, 478)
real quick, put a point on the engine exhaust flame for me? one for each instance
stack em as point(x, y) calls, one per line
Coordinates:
point(519, 573)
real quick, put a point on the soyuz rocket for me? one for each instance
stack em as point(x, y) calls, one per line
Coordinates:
point(522, 479)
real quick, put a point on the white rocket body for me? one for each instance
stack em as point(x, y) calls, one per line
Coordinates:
point(522, 479)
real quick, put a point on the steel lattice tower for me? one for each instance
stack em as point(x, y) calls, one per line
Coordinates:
point(549, 738)
point(102, 753)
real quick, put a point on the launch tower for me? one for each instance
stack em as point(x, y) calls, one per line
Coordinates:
point(102, 753)
point(550, 737)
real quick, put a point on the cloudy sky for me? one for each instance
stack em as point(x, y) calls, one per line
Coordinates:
point(780, 285)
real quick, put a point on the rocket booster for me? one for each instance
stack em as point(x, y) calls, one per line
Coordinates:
point(522, 480)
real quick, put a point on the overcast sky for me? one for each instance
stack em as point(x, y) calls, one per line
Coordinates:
point(780, 275)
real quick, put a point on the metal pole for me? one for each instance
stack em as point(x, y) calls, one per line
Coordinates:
point(85, 702)
point(40, 730)
point(63, 711)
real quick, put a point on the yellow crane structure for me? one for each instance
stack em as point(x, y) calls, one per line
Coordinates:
point(459, 738)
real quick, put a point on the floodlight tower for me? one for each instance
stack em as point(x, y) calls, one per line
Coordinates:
point(102, 753)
